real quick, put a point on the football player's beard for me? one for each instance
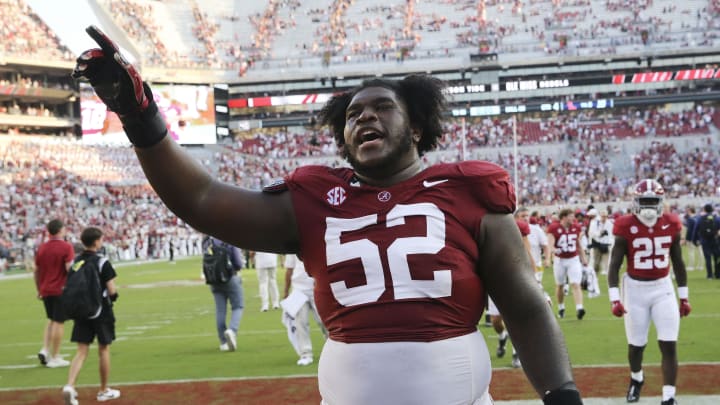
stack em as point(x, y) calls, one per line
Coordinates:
point(381, 168)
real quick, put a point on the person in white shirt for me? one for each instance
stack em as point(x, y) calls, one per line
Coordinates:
point(600, 233)
point(297, 306)
point(539, 249)
point(266, 266)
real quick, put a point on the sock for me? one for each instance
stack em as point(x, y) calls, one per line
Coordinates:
point(561, 306)
point(503, 335)
point(578, 306)
point(639, 376)
point(668, 392)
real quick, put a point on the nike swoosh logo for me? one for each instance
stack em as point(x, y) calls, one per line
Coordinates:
point(433, 183)
point(666, 226)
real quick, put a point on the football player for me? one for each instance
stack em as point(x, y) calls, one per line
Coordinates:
point(650, 240)
point(564, 237)
point(402, 255)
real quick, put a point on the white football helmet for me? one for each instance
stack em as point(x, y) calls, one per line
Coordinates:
point(648, 201)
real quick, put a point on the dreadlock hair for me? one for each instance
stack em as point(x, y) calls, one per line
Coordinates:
point(423, 98)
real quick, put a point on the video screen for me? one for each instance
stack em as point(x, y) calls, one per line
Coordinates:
point(189, 111)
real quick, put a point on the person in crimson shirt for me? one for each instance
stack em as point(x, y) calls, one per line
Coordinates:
point(564, 238)
point(52, 262)
point(650, 240)
point(402, 254)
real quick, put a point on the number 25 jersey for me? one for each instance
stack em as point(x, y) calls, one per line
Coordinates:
point(648, 248)
point(397, 263)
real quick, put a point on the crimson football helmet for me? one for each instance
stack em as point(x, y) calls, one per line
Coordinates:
point(648, 201)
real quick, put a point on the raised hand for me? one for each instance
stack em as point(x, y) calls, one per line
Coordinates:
point(618, 309)
point(120, 87)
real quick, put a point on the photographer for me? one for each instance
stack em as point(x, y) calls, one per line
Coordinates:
point(600, 234)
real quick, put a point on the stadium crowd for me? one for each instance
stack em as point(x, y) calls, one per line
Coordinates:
point(40, 185)
point(375, 32)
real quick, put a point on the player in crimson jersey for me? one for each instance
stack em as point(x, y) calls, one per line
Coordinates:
point(402, 255)
point(564, 237)
point(650, 239)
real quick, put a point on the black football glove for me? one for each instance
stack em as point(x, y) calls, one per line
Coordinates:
point(120, 87)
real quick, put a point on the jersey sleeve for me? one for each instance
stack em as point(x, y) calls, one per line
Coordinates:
point(490, 185)
point(675, 223)
point(619, 227)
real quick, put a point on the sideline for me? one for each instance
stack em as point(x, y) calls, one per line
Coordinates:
point(29, 274)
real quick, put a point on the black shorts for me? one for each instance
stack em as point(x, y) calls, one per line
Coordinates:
point(53, 309)
point(84, 331)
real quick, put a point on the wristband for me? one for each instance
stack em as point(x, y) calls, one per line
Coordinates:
point(562, 397)
point(614, 294)
point(146, 128)
point(683, 293)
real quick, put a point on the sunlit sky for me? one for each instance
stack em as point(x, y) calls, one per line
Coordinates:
point(68, 18)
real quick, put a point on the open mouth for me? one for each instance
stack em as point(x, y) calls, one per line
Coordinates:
point(369, 135)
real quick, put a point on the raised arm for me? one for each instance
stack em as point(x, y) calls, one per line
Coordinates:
point(506, 271)
point(247, 219)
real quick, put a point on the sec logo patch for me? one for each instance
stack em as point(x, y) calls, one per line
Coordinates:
point(336, 196)
point(384, 196)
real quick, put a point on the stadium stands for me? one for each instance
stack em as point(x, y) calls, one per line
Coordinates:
point(564, 158)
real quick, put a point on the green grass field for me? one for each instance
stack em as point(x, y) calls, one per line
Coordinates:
point(165, 329)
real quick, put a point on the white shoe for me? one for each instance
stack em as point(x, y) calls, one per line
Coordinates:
point(70, 395)
point(43, 356)
point(305, 361)
point(231, 339)
point(56, 362)
point(264, 308)
point(516, 361)
point(108, 394)
point(224, 347)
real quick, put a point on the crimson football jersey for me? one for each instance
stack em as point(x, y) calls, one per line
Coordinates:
point(648, 248)
point(397, 263)
point(567, 240)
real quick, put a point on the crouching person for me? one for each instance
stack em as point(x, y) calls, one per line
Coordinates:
point(100, 325)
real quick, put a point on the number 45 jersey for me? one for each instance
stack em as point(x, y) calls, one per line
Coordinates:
point(397, 263)
point(648, 248)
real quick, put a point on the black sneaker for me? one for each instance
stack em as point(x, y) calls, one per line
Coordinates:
point(633, 393)
point(561, 313)
point(670, 401)
point(580, 313)
point(501, 347)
